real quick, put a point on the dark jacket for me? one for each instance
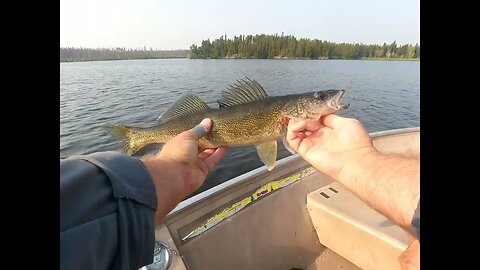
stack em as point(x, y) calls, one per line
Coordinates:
point(107, 212)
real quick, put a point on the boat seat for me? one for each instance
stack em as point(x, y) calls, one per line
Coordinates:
point(351, 228)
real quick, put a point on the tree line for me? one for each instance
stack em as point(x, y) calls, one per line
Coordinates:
point(85, 54)
point(288, 47)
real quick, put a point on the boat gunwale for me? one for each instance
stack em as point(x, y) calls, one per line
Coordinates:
point(263, 170)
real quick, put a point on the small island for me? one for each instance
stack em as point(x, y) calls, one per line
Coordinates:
point(289, 47)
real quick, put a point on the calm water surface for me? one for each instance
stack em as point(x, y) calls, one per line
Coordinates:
point(382, 95)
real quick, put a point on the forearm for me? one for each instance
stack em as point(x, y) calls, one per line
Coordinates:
point(171, 181)
point(388, 183)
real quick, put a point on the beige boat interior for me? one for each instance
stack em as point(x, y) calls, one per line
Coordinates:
point(313, 223)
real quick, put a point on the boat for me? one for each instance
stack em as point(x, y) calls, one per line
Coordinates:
point(293, 217)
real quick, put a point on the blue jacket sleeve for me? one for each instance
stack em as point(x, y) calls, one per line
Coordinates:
point(416, 221)
point(107, 212)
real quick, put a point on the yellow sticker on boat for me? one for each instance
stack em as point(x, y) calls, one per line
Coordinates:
point(238, 206)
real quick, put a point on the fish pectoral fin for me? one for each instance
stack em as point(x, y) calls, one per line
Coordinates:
point(268, 153)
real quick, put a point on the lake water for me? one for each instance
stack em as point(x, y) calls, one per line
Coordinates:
point(382, 95)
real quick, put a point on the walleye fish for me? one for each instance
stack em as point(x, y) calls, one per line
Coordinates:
point(246, 116)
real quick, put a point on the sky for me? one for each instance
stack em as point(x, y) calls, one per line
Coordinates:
point(177, 24)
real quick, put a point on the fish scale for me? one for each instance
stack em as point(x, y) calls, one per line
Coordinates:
point(246, 116)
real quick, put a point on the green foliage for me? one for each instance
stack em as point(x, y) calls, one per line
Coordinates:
point(275, 46)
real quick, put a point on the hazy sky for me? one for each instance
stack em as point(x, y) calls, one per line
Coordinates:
point(177, 24)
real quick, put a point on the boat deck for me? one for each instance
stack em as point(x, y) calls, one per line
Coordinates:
point(253, 222)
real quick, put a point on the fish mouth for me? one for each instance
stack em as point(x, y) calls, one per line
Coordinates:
point(337, 101)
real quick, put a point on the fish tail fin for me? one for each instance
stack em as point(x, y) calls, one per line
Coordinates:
point(126, 135)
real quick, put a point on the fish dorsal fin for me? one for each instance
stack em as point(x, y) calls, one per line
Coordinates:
point(242, 92)
point(186, 104)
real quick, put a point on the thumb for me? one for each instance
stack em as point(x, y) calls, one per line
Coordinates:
point(198, 131)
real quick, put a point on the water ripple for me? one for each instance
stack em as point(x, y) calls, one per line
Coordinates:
point(383, 95)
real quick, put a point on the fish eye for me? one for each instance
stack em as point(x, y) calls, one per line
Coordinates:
point(319, 95)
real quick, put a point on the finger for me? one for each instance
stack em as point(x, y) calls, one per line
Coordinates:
point(297, 125)
point(331, 120)
point(313, 125)
point(210, 150)
point(291, 135)
point(214, 158)
point(198, 131)
point(206, 153)
point(203, 128)
point(294, 128)
point(203, 156)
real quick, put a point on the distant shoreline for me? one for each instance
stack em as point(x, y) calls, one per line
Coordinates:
point(259, 46)
point(389, 59)
point(99, 60)
point(239, 58)
point(86, 55)
point(325, 58)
